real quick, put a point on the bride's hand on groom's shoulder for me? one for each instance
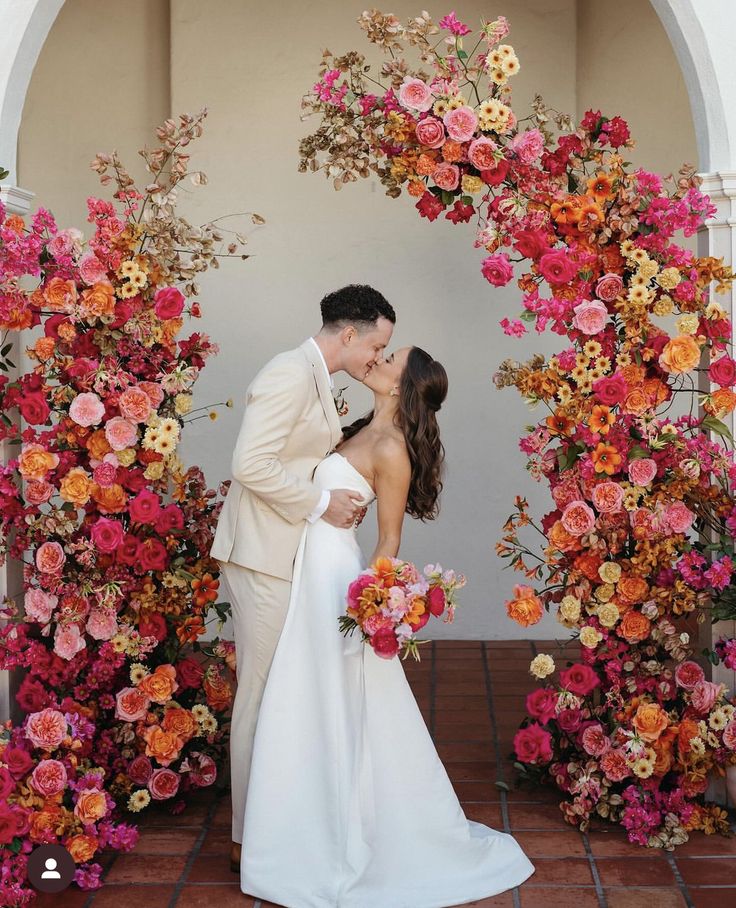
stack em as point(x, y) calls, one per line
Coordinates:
point(344, 508)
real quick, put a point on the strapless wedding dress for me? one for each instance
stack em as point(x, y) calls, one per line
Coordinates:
point(348, 803)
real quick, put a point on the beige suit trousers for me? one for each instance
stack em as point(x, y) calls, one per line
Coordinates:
point(259, 606)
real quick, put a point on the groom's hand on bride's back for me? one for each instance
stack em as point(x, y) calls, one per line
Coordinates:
point(344, 507)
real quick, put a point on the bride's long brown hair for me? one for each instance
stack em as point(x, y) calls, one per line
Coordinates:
point(422, 389)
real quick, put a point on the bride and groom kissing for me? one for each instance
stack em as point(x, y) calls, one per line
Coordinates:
point(339, 798)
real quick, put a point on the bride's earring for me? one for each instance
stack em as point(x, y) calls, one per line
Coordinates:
point(394, 392)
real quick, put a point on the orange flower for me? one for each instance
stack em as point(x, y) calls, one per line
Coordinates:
point(560, 423)
point(720, 403)
point(190, 629)
point(601, 187)
point(663, 750)
point(110, 499)
point(634, 627)
point(81, 847)
point(162, 745)
point(632, 589)
point(51, 819)
point(416, 188)
point(217, 690)
point(650, 721)
point(605, 459)
point(99, 299)
point(681, 354)
point(98, 445)
point(426, 166)
point(526, 607)
point(452, 151)
point(161, 684)
point(60, 294)
point(76, 487)
point(205, 589)
point(384, 570)
point(601, 419)
point(181, 722)
point(591, 216)
point(636, 402)
point(15, 223)
point(687, 731)
point(418, 608)
point(588, 563)
point(91, 805)
point(44, 348)
point(560, 539)
point(34, 461)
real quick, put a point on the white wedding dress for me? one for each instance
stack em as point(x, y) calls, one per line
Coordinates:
point(348, 804)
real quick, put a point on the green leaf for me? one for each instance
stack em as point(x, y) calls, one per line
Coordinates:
point(447, 197)
point(527, 316)
point(720, 428)
point(467, 199)
point(4, 173)
point(572, 183)
point(462, 55)
point(636, 453)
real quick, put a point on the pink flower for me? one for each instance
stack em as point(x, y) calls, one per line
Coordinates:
point(102, 623)
point(145, 507)
point(68, 641)
point(91, 269)
point(154, 391)
point(105, 473)
point(614, 765)
point(497, 269)
point(431, 132)
point(120, 433)
point(107, 534)
point(39, 605)
point(447, 176)
point(579, 679)
point(135, 404)
point(436, 601)
point(533, 744)
point(542, 703)
point(729, 735)
point(679, 517)
point(611, 389)
point(140, 769)
point(704, 695)
point(46, 729)
point(480, 153)
point(163, 784)
point(590, 316)
point(608, 497)
point(609, 287)
point(723, 371)
point(460, 123)
point(528, 146)
point(49, 778)
point(578, 518)
point(556, 268)
point(169, 302)
point(50, 557)
point(131, 704)
point(688, 674)
point(415, 95)
point(87, 409)
point(595, 741)
point(203, 769)
point(642, 470)
point(384, 643)
point(38, 491)
point(453, 24)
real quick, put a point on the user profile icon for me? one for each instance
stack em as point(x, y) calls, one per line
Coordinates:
point(50, 868)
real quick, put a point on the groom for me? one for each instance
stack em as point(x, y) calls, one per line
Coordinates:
point(290, 424)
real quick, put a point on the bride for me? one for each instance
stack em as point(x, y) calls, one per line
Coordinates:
point(348, 803)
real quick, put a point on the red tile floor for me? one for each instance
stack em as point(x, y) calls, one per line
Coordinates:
point(472, 697)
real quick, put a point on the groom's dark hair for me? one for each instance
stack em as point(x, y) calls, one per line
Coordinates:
point(356, 304)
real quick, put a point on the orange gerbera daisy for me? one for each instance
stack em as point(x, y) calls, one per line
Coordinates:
point(606, 459)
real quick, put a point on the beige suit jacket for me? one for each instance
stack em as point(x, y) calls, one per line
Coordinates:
point(290, 424)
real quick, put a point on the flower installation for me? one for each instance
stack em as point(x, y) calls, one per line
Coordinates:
point(124, 705)
point(391, 601)
point(639, 538)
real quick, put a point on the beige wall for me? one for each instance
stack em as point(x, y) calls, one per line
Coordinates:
point(250, 64)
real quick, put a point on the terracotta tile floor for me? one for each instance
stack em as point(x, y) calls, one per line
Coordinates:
point(472, 697)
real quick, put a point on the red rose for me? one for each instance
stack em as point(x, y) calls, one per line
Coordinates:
point(153, 625)
point(163, 784)
point(723, 371)
point(436, 601)
point(170, 518)
point(107, 534)
point(531, 243)
point(541, 703)
point(533, 744)
point(385, 644)
point(494, 176)
point(570, 720)
point(203, 770)
point(556, 267)
point(145, 507)
point(32, 696)
point(19, 761)
point(153, 555)
point(8, 824)
point(189, 673)
point(7, 783)
point(140, 769)
point(33, 407)
point(579, 679)
point(611, 389)
point(169, 302)
point(127, 553)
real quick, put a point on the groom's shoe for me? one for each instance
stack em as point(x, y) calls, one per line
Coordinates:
point(235, 857)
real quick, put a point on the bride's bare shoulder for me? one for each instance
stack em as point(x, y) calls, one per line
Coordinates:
point(390, 451)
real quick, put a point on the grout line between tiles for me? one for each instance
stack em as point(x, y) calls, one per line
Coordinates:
point(679, 879)
point(193, 854)
point(602, 901)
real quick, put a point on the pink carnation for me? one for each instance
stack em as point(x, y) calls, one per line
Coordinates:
point(415, 95)
point(642, 470)
point(595, 741)
point(460, 123)
point(120, 433)
point(87, 409)
point(615, 766)
point(590, 316)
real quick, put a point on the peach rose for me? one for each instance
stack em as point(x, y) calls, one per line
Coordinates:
point(608, 497)
point(110, 499)
point(415, 95)
point(720, 403)
point(161, 684)
point(634, 627)
point(446, 176)
point(681, 354)
point(590, 316)
point(49, 778)
point(82, 848)
point(561, 540)
point(526, 607)
point(50, 557)
point(578, 518)
point(131, 704)
point(154, 391)
point(120, 433)
point(135, 404)
point(679, 517)
point(98, 445)
point(76, 487)
point(99, 300)
point(86, 409)
point(60, 294)
point(38, 491)
point(46, 729)
point(480, 153)
point(650, 721)
point(181, 722)
point(632, 588)
point(636, 402)
point(162, 745)
point(35, 461)
point(91, 805)
point(704, 695)
point(163, 784)
point(642, 470)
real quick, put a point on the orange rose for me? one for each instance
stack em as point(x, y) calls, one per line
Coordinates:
point(650, 721)
point(634, 627)
point(160, 685)
point(110, 499)
point(720, 403)
point(35, 461)
point(633, 374)
point(81, 847)
point(526, 607)
point(76, 487)
point(180, 722)
point(60, 294)
point(636, 402)
point(657, 392)
point(217, 691)
point(50, 820)
point(99, 299)
point(163, 746)
point(588, 563)
point(681, 354)
point(98, 445)
point(91, 805)
point(663, 750)
point(632, 588)
point(561, 540)
point(687, 731)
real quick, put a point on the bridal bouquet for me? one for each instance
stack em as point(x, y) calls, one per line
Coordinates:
point(391, 601)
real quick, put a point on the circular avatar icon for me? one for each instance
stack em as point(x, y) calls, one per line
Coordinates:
point(50, 868)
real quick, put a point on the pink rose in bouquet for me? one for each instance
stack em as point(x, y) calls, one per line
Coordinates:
point(135, 404)
point(169, 302)
point(120, 433)
point(461, 123)
point(163, 784)
point(533, 744)
point(46, 729)
point(590, 316)
point(87, 409)
point(497, 269)
point(481, 153)
point(446, 176)
point(49, 778)
point(415, 95)
point(578, 518)
point(642, 471)
point(431, 132)
point(609, 287)
point(50, 557)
